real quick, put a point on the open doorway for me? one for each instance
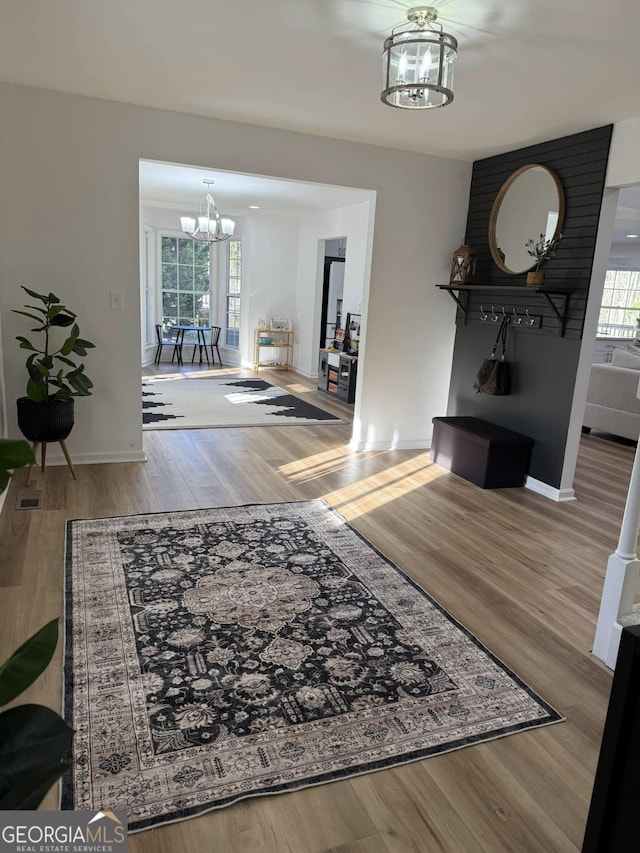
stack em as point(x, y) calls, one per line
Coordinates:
point(612, 408)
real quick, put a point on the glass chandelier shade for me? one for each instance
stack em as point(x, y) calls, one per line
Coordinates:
point(209, 227)
point(418, 63)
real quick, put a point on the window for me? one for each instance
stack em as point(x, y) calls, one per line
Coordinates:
point(233, 279)
point(186, 282)
point(620, 304)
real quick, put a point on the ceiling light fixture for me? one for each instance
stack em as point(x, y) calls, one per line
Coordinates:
point(210, 228)
point(254, 207)
point(632, 236)
point(418, 63)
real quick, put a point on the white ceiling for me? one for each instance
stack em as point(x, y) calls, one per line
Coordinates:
point(528, 70)
point(171, 185)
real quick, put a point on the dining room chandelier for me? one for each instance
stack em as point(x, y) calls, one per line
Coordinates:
point(418, 62)
point(209, 226)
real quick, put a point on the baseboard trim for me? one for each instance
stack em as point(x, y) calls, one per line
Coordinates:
point(407, 444)
point(96, 458)
point(558, 495)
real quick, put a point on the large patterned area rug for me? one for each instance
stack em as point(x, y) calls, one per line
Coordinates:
point(230, 402)
point(224, 653)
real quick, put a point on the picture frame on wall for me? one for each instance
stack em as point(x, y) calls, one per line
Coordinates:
point(280, 324)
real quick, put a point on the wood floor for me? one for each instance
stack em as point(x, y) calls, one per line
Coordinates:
point(522, 573)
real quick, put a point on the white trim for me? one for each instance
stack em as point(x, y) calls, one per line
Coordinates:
point(548, 491)
point(98, 458)
point(406, 444)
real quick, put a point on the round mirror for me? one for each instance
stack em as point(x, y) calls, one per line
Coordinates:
point(530, 203)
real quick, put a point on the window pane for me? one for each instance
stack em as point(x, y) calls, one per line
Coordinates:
point(234, 268)
point(201, 253)
point(202, 315)
point(185, 308)
point(169, 250)
point(233, 305)
point(185, 278)
point(234, 285)
point(185, 251)
point(169, 277)
point(201, 279)
point(170, 305)
point(232, 338)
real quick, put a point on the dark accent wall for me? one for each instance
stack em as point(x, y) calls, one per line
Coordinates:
point(543, 362)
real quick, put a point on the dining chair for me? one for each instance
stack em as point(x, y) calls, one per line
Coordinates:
point(167, 342)
point(213, 343)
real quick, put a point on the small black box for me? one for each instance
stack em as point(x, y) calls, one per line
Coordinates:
point(488, 455)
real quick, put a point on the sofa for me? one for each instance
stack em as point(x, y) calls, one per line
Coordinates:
point(612, 402)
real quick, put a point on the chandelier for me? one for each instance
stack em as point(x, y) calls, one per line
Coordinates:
point(418, 63)
point(210, 227)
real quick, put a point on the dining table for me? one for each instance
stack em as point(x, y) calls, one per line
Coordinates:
point(201, 341)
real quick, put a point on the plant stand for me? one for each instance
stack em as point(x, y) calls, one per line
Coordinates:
point(37, 444)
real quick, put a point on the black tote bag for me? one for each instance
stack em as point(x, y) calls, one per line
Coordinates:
point(493, 376)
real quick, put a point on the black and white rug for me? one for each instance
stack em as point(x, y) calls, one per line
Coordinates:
point(218, 654)
point(185, 403)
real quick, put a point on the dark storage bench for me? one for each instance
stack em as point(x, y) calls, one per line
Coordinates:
point(488, 455)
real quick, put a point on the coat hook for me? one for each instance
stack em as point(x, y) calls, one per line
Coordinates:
point(484, 317)
point(494, 316)
point(516, 319)
point(530, 321)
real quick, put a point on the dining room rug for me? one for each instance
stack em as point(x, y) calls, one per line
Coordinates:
point(184, 403)
point(218, 654)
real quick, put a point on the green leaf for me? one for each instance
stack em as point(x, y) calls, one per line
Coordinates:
point(13, 454)
point(65, 318)
point(86, 344)
point(36, 391)
point(35, 295)
point(42, 370)
point(53, 298)
point(28, 662)
point(26, 314)
point(32, 739)
point(54, 311)
point(67, 346)
point(65, 360)
point(82, 384)
point(79, 350)
point(29, 792)
point(25, 344)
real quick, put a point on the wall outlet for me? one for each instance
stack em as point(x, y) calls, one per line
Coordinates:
point(116, 300)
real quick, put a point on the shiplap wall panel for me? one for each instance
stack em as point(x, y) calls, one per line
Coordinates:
point(543, 363)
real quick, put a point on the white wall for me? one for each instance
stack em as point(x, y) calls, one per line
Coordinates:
point(75, 159)
point(355, 221)
point(270, 270)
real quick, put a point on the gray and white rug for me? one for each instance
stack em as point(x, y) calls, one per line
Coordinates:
point(185, 403)
point(213, 655)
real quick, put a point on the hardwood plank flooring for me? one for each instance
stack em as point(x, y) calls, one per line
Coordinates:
point(521, 572)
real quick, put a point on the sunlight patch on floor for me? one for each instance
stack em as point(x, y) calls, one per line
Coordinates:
point(317, 465)
point(372, 492)
point(295, 388)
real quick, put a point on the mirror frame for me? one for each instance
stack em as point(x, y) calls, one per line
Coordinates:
point(504, 189)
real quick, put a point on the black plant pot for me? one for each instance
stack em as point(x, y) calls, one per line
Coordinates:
point(50, 420)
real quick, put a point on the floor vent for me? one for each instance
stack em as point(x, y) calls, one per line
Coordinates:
point(29, 499)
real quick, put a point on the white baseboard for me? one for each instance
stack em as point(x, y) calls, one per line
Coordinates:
point(548, 491)
point(406, 444)
point(97, 458)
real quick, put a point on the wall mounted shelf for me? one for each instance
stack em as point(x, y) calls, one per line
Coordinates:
point(460, 295)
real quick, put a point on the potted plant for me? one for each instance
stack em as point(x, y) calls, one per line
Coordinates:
point(541, 250)
point(47, 412)
point(34, 740)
